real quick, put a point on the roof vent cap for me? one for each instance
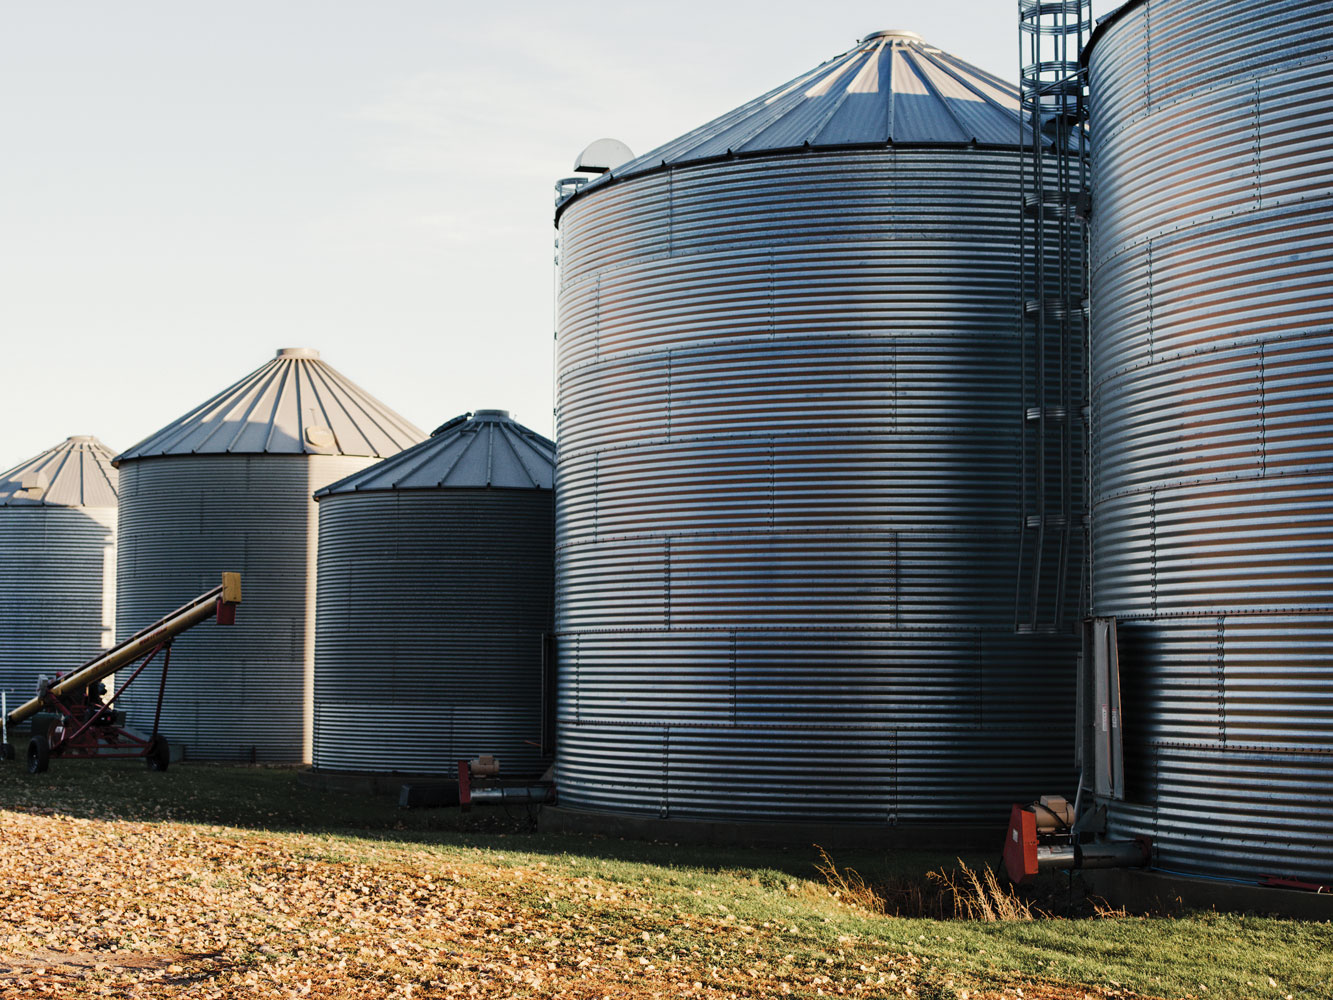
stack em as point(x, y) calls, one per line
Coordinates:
point(320, 437)
point(602, 156)
point(495, 416)
point(897, 36)
point(298, 352)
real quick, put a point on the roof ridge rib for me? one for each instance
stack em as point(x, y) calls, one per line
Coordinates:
point(929, 84)
point(424, 451)
point(813, 135)
point(165, 437)
point(518, 456)
point(949, 70)
point(254, 415)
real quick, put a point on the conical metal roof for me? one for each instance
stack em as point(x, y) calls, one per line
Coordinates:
point(482, 449)
point(892, 88)
point(295, 404)
point(75, 473)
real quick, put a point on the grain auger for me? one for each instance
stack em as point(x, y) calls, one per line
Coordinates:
point(85, 724)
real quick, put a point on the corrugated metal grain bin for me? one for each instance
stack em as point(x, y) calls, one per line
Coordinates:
point(1212, 375)
point(436, 583)
point(228, 487)
point(788, 481)
point(57, 562)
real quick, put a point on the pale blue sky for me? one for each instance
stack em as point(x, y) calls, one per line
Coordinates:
point(188, 185)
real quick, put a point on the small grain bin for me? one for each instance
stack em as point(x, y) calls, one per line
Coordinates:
point(1212, 430)
point(790, 400)
point(227, 487)
point(435, 595)
point(57, 562)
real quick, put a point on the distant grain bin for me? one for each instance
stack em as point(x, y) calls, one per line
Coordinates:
point(227, 487)
point(435, 594)
point(790, 405)
point(57, 562)
point(1212, 382)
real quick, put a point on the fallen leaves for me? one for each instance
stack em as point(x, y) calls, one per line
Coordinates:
point(118, 908)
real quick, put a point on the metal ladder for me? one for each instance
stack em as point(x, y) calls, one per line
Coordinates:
point(1053, 320)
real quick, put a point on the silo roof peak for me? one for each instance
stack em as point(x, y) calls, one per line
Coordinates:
point(295, 404)
point(485, 449)
point(75, 473)
point(890, 89)
point(896, 35)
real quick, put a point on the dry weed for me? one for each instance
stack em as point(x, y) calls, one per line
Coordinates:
point(847, 885)
point(1104, 910)
point(979, 895)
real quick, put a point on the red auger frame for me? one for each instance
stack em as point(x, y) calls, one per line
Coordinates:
point(86, 725)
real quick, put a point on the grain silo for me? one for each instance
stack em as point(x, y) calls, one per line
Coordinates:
point(1212, 375)
point(436, 584)
point(789, 409)
point(228, 487)
point(58, 565)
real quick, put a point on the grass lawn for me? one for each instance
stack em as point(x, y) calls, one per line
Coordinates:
point(219, 881)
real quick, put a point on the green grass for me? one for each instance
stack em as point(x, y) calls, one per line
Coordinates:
point(777, 892)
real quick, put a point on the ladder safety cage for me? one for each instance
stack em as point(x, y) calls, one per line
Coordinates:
point(1053, 318)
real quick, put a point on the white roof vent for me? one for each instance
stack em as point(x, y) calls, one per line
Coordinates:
point(33, 485)
point(602, 156)
point(319, 437)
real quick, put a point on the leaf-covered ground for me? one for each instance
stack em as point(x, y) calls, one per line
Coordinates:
point(106, 891)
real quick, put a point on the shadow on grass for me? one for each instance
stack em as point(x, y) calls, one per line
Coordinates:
point(271, 798)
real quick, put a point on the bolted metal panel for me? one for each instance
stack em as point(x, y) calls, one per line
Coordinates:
point(787, 495)
point(57, 591)
point(1212, 371)
point(433, 604)
point(240, 692)
point(58, 571)
point(797, 772)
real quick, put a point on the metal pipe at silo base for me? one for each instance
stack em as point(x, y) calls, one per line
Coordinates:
point(513, 795)
point(1120, 854)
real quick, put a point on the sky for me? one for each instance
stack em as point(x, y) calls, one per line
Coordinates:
point(189, 185)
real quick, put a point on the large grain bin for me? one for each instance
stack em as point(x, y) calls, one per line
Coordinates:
point(57, 562)
point(436, 583)
point(1212, 376)
point(227, 487)
point(789, 412)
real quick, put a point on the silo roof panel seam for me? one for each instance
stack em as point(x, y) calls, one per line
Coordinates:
point(796, 115)
point(270, 411)
point(77, 472)
point(482, 452)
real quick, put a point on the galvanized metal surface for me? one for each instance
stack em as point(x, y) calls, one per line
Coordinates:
point(75, 473)
point(433, 605)
point(295, 404)
point(482, 449)
point(893, 87)
point(1212, 372)
point(241, 692)
point(787, 495)
point(57, 570)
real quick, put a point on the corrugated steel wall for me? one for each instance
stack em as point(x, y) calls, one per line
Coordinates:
point(432, 608)
point(57, 591)
point(787, 495)
point(239, 692)
point(1212, 388)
